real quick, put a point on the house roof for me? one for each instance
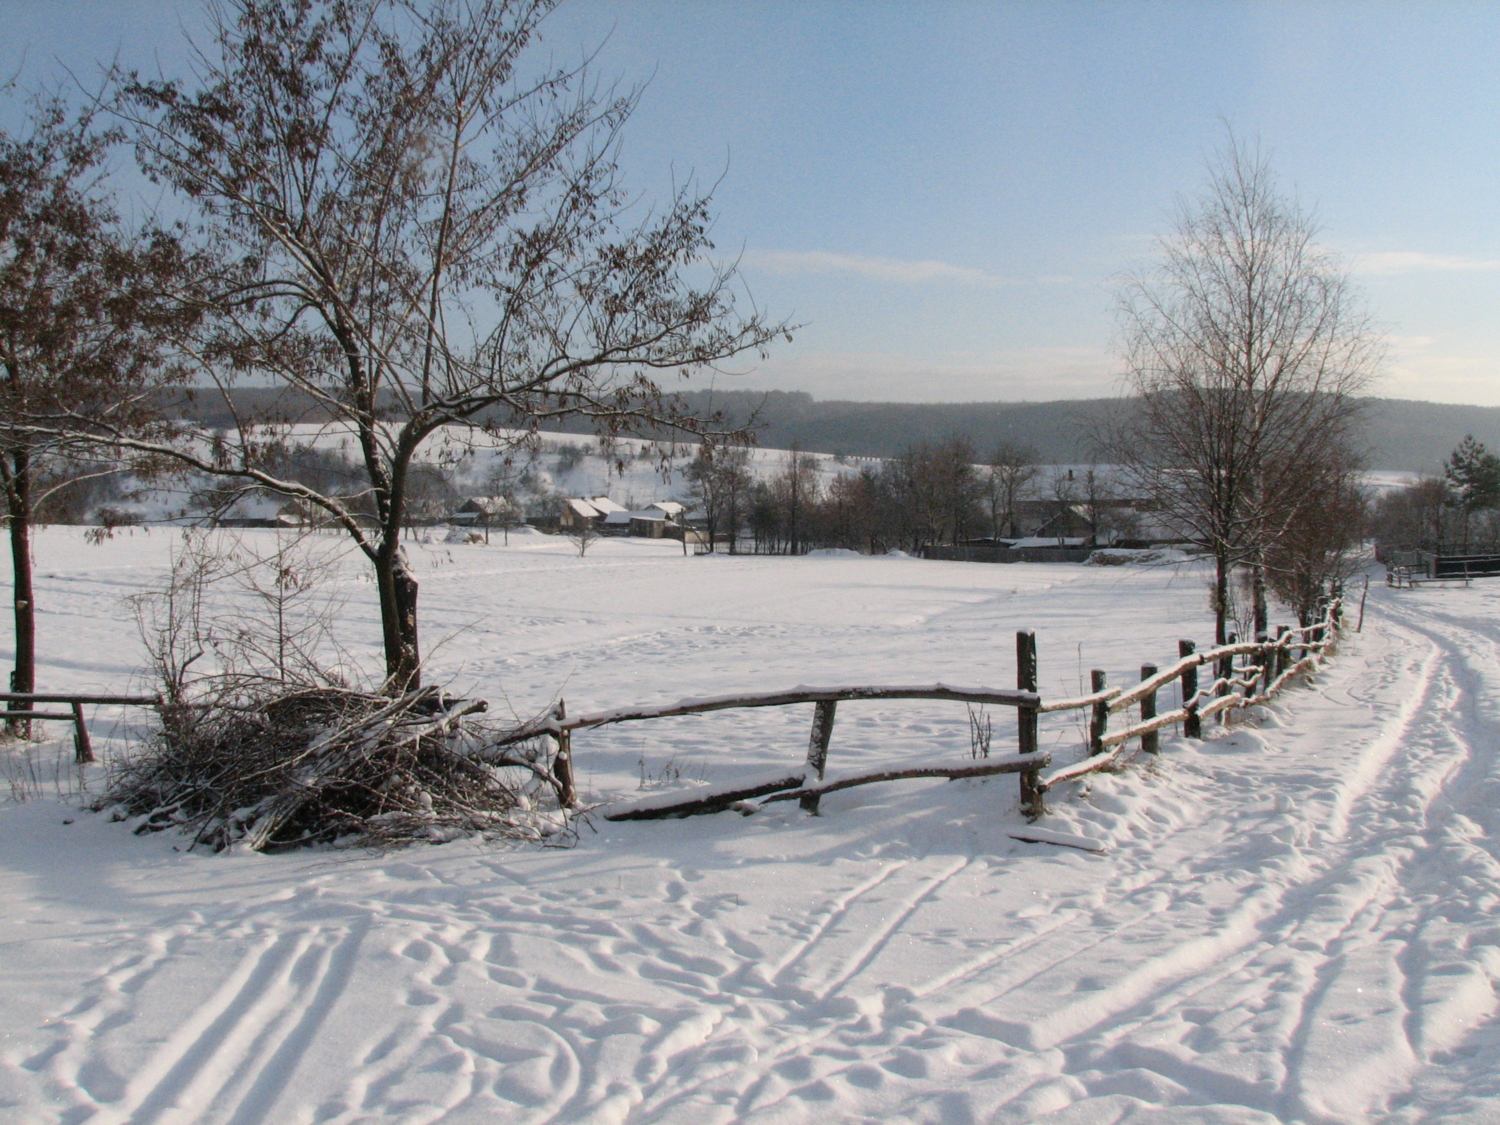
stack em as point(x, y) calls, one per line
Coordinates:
point(605, 505)
point(584, 508)
point(670, 507)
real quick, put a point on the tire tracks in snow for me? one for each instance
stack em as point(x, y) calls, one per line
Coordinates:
point(1247, 916)
point(229, 1059)
point(800, 1006)
point(1340, 937)
point(1233, 969)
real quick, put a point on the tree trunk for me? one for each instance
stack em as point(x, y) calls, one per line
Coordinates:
point(1258, 591)
point(398, 619)
point(18, 505)
point(1221, 599)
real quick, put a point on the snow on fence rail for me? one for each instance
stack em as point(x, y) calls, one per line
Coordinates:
point(1246, 673)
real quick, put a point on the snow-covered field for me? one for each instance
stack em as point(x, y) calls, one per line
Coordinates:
point(1293, 922)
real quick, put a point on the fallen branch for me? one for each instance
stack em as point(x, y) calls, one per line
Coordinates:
point(710, 800)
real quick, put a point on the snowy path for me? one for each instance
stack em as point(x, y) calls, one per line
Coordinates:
point(1292, 923)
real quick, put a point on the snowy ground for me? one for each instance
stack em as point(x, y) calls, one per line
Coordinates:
point(1291, 923)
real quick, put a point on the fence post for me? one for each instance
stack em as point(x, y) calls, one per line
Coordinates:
point(1099, 720)
point(817, 746)
point(1283, 649)
point(1026, 720)
point(1151, 740)
point(562, 763)
point(18, 727)
point(1265, 657)
point(83, 749)
point(1192, 725)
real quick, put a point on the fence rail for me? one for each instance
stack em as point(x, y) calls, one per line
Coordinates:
point(1266, 665)
point(83, 747)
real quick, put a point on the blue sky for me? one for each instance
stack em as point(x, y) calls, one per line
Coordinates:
point(943, 193)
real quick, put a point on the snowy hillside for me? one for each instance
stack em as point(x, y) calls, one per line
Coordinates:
point(632, 471)
point(1293, 922)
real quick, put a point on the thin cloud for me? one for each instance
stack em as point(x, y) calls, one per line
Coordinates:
point(904, 271)
point(1392, 262)
point(1423, 367)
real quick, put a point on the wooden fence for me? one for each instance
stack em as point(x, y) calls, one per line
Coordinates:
point(1245, 673)
point(1404, 569)
point(83, 748)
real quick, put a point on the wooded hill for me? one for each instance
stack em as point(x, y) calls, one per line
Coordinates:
point(1403, 434)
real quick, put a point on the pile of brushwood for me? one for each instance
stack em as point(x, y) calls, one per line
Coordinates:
point(281, 768)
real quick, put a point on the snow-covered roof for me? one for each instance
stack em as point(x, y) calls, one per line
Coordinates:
point(585, 509)
point(615, 519)
point(670, 507)
point(606, 505)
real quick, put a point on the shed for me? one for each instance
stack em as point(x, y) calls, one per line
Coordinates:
point(578, 512)
point(648, 524)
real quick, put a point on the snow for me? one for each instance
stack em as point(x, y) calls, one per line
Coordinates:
point(1296, 921)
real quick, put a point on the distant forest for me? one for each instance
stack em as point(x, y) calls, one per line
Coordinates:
point(1402, 434)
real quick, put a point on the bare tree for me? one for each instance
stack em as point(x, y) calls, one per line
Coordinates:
point(854, 515)
point(1319, 548)
point(1417, 517)
point(721, 484)
point(797, 490)
point(1064, 488)
point(418, 234)
point(1098, 502)
point(959, 486)
point(584, 532)
point(1247, 346)
point(1011, 469)
point(82, 307)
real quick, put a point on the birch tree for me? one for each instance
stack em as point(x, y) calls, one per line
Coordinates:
point(1246, 346)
